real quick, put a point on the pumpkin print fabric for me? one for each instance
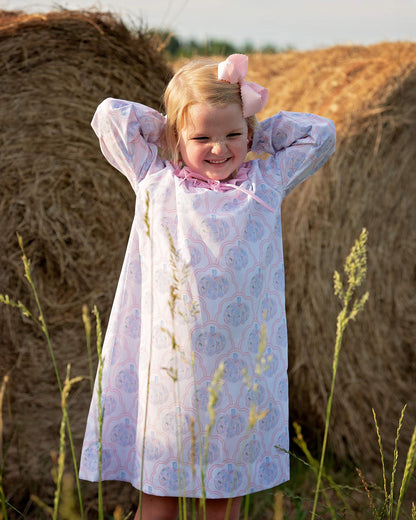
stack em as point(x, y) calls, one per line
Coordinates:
point(194, 385)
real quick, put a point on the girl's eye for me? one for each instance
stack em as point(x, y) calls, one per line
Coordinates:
point(235, 134)
point(200, 138)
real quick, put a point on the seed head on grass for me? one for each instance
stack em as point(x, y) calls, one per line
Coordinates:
point(367, 490)
point(355, 269)
point(58, 470)
point(87, 327)
point(213, 395)
point(101, 410)
point(180, 275)
point(255, 416)
point(262, 364)
point(146, 214)
point(214, 389)
point(41, 323)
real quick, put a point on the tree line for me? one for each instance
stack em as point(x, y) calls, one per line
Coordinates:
point(176, 47)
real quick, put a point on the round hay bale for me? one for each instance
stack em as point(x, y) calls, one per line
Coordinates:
point(71, 208)
point(74, 212)
point(370, 93)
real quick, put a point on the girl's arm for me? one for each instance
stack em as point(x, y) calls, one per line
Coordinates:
point(129, 135)
point(299, 143)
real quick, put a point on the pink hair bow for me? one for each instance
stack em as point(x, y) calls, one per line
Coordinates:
point(234, 70)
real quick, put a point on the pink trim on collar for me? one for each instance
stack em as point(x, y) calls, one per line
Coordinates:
point(200, 181)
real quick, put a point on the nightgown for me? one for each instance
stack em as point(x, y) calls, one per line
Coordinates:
point(194, 379)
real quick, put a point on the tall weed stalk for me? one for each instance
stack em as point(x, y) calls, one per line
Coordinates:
point(2, 496)
point(390, 509)
point(41, 323)
point(101, 411)
point(87, 327)
point(180, 274)
point(62, 444)
point(355, 269)
point(409, 473)
point(147, 221)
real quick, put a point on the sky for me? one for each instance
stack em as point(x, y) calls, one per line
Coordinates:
point(301, 24)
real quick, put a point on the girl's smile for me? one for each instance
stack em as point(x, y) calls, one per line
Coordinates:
point(214, 141)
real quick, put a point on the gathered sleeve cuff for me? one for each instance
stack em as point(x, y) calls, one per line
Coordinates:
point(299, 144)
point(129, 135)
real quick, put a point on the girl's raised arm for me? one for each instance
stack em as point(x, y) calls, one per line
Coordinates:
point(129, 135)
point(299, 144)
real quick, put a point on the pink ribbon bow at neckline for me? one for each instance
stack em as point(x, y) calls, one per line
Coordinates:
point(234, 70)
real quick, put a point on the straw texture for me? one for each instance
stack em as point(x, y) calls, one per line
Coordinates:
point(71, 207)
point(370, 93)
point(74, 212)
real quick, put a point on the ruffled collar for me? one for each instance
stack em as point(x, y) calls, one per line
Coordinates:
point(198, 181)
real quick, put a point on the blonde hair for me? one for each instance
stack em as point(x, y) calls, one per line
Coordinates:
point(196, 82)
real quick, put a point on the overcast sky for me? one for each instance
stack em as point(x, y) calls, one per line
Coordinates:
point(303, 24)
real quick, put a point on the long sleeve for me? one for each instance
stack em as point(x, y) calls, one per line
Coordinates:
point(298, 143)
point(129, 136)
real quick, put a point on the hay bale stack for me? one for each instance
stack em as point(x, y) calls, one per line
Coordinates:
point(70, 206)
point(370, 93)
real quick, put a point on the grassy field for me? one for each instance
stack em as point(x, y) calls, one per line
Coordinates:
point(319, 487)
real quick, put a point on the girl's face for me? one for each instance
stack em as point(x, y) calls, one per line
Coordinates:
point(214, 140)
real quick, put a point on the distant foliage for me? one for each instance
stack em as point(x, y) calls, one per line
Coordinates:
point(176, 47)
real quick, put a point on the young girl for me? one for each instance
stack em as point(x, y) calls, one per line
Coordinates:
point(194, 384)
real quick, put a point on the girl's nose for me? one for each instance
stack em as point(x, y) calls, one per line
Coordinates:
point(218, 146)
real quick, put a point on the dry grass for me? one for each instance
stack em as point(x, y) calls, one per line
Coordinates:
point(71, 207)
point(74, 213)
point(370, 93)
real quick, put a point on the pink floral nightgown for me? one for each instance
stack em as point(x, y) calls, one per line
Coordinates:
point(201, 295)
